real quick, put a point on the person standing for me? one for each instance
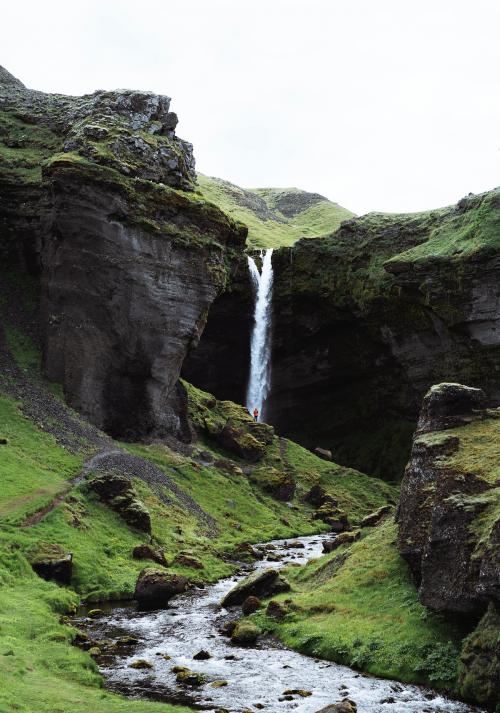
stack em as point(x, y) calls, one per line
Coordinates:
point(256, 414)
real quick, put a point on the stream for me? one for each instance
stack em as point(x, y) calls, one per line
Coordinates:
point(256, 677)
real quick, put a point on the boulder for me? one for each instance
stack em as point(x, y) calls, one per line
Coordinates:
point(261, 583)
point(116, 490)
point(332, 516)
point(250, 605)
point(51, 562)
point(146, 552)
point(185, 560)
point(190, 678)
point(323, 453)
point(376, 517)
point(202, 656)
point(448, 405)
point(236, 437)
point(343, 538)
point(276, 610)
point(317, 496)
point(154, 587)
point(345, 706)
point(245, 633)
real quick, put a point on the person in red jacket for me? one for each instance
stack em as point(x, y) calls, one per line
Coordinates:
point(256, 414)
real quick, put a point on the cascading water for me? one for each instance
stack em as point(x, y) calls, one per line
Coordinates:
point(259, 382)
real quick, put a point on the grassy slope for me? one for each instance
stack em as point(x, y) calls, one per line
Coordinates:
point(365, 613)
point(276, 230)
point(38, 667)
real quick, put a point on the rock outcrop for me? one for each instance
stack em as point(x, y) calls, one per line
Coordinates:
point(449, 512)
point(100, 204)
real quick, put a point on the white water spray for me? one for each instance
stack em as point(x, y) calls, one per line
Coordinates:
point(260, 349)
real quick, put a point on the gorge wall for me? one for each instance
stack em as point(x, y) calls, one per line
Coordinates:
point(99, 207)
point(365, 321)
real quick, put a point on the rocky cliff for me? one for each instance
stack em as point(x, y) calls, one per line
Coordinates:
point(368, 318)
point(449, 523)
point(98, 202)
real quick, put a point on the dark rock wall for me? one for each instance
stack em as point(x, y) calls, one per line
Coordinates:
point(369, 318)
point(98, 200)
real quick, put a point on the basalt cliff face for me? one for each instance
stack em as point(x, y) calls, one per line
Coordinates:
point(449, 524)
point(99, 204)
point(368, 318)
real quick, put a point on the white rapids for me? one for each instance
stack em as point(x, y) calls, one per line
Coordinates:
point(259, 382)
point(256, 677)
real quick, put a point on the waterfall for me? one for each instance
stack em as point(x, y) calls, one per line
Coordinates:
point(259, 382)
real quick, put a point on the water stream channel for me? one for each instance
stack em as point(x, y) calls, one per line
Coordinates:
point(256, 677)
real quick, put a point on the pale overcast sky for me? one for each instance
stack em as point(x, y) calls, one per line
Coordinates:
point(378, 104)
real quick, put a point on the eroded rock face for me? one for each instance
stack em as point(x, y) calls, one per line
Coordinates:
point(129, 257)
point(449, 513)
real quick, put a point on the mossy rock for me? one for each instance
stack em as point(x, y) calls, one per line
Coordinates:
point(245, 633)
point(479, 676)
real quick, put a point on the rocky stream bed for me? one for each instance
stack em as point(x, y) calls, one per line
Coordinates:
point(238, 679)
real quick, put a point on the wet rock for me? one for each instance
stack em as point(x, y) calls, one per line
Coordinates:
point(343, 538)
point(146, 552)
point(154, 588)
point(297, 692)
point(294, 545)
point(202, 656)
point(251, 605)
point(218, 684)
point(261, 583)
point(127, 641)
point(376, 517)
point(190, 678)
point(245, 633)
point(141, 664)
point(345, 706)
point(246, 550)
point(323, 453)
point(95, 613)
point(51, 562)
point(228, 627)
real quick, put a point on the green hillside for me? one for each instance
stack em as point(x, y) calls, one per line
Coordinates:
point(275, 217)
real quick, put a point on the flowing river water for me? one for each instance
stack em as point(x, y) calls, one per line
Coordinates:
point(256, 677)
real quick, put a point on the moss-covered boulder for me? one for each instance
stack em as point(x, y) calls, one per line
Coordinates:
point(261, 583)
point(117, 491)
point(52, 562)
point(154, 588)
point(245, 633)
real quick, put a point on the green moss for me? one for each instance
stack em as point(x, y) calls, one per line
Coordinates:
point(358, 606)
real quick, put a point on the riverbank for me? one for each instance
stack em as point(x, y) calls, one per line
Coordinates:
point(232, 677)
